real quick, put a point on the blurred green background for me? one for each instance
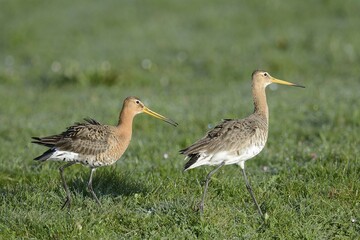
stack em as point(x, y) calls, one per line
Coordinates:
point(192, 61)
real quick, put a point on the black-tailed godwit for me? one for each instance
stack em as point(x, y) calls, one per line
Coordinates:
point(93, 144)
point(234, 141)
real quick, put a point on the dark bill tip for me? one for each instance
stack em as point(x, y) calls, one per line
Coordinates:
point(169, 121)
point(297, 85)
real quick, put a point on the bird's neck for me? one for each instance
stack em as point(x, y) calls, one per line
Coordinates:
point(260, 104)
point(125, 121)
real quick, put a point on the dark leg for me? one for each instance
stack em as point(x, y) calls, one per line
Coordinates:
point(251, 193)
point(90, 188)
point(208, 177)
point(68, 197)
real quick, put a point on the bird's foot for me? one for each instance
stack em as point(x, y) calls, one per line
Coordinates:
point(97, 200)
point(199, 208)
point(67, 203)
point(90, 189)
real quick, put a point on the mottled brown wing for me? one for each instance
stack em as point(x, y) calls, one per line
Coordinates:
point(83, 138)
point(236, 135)
point(87, 139)
point(228, 135)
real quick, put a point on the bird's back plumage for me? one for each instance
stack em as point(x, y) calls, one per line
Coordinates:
point(77, 143)
point(229, 141)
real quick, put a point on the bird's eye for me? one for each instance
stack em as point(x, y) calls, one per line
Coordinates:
point(265, 74)
point(137, 101)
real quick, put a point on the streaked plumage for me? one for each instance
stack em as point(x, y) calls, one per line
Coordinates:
point(234, 141)
point(231, 141)
point(93, 144)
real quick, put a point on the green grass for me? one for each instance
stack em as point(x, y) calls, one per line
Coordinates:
point(191, 61)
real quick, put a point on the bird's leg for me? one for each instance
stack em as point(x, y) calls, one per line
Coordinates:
point(68, 197)
point(251, 192)
point(208, 177)
point(90, 188)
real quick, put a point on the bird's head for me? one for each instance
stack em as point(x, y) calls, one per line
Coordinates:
point(135, 106)
point(264, 78)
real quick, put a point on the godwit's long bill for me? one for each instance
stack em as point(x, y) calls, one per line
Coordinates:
point(93, 144)
point(234, 141)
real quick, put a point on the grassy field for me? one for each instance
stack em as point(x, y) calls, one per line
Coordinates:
point(192, 61)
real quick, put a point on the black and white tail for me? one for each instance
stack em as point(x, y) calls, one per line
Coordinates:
point(46, 155)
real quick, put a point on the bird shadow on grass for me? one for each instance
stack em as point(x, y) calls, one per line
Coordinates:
point(108, 182)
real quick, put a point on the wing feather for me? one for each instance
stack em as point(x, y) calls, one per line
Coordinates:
point(230, 135)
point(84, 138)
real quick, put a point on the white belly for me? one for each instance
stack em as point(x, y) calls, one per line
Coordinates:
point(66, 156)
point(238, 157)
point(251, 152)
